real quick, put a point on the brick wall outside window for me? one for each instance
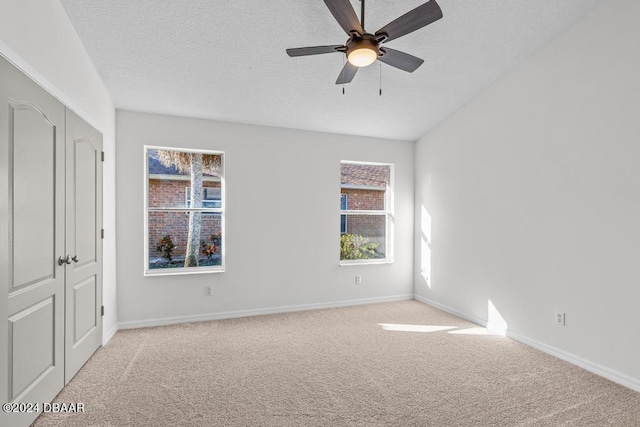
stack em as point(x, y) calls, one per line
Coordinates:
point(170, 193)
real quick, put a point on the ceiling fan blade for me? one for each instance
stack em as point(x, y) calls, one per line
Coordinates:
point(411, 21)
point(345, 15)
point(400, 60)
point(347, 73)
point(313, 50)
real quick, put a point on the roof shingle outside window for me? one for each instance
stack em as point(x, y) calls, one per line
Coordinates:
point(363, 175)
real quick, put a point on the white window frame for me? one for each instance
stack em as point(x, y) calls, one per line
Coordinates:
point(221, 211)
point(388, 212)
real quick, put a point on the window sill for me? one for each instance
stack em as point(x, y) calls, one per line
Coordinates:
point(182, 271)
point(365, 262)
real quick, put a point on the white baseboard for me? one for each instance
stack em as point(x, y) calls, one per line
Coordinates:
point(257, 312)
point(603, 371)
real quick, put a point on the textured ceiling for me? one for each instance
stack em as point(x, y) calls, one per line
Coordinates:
point(226, 60)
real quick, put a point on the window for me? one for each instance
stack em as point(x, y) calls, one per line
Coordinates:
point(181, 236)
point(366, 212)
point(343, 218)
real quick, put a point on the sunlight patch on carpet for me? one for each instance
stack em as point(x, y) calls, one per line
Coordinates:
point(474, 331)
point(414, 328)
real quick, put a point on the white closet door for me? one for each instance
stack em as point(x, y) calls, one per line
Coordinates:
point(32, 196)
point(83, 333)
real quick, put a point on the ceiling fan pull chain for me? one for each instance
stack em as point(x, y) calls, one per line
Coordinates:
point(343, 62)
point(380, 93)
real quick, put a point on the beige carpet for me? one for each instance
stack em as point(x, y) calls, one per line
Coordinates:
point(336, 367)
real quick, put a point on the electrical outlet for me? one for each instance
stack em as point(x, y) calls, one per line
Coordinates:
point(208, 291)
point(559, 318)
point(358, 280)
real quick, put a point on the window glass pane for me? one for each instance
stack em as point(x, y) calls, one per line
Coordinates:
point(365, 237)
point(168, 236)
point(170, 179)
point(343, 218)
point(364, 185)
point(211, 195)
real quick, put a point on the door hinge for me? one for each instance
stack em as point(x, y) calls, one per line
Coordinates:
point(102, 156)
point(102, 311)
point(102, 233)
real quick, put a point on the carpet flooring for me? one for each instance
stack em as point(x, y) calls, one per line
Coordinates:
point(389, 364)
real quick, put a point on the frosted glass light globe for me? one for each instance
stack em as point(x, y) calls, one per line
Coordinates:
point(362, 56)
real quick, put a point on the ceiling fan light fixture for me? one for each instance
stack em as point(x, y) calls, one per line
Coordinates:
point(362, 51)
point(362, 56)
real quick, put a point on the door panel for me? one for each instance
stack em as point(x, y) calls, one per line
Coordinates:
point(32, 157)
point(83, 300)
point(84, 297)
point(86, 164)
point(32, 346)
point(34, 154)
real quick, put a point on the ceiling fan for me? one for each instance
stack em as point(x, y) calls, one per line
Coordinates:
point(364, 48)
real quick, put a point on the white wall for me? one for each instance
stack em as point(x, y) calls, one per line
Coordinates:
point(533, 190)
point(37, 36)
point(282, 231)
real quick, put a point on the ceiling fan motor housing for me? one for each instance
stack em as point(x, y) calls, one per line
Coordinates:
point(366, 42)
